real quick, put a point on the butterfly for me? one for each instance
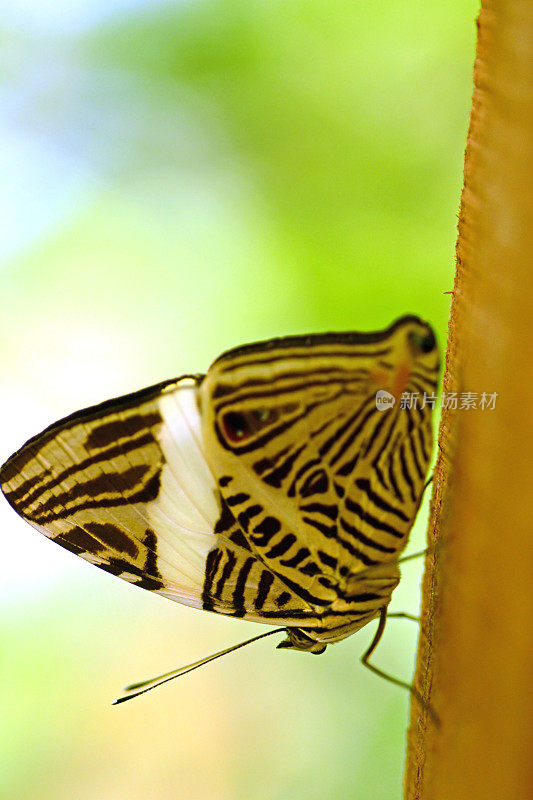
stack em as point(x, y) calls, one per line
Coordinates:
point(274, 487)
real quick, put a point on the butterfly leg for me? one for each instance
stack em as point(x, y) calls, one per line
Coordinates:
point(402, 615)
point(412, 556)
point(419, 553)
point(396, 681)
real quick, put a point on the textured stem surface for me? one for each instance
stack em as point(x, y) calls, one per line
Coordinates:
point(475, 660)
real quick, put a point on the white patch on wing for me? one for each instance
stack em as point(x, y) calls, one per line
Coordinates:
point(185, 512)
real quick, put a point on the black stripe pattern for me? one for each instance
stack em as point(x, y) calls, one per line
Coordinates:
point(326, 484)
point(310, 488)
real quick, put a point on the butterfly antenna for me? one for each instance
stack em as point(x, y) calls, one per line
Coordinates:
point(136, 689)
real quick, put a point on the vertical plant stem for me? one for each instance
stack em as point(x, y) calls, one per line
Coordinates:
point(475, 660)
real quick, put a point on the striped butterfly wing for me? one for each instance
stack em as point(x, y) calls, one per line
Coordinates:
point(126, 486)
point(324, 481)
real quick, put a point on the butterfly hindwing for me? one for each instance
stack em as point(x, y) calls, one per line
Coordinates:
point(323, 480)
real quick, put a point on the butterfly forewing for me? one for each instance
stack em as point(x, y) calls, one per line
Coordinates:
point(273, 488)
point(126, 486)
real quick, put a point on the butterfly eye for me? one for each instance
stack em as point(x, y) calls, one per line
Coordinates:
point(423, 343)
point(236, 426)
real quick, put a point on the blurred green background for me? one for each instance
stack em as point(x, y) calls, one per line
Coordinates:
point(179, 179)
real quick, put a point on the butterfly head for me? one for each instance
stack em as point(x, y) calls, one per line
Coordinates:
point(412, 363)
